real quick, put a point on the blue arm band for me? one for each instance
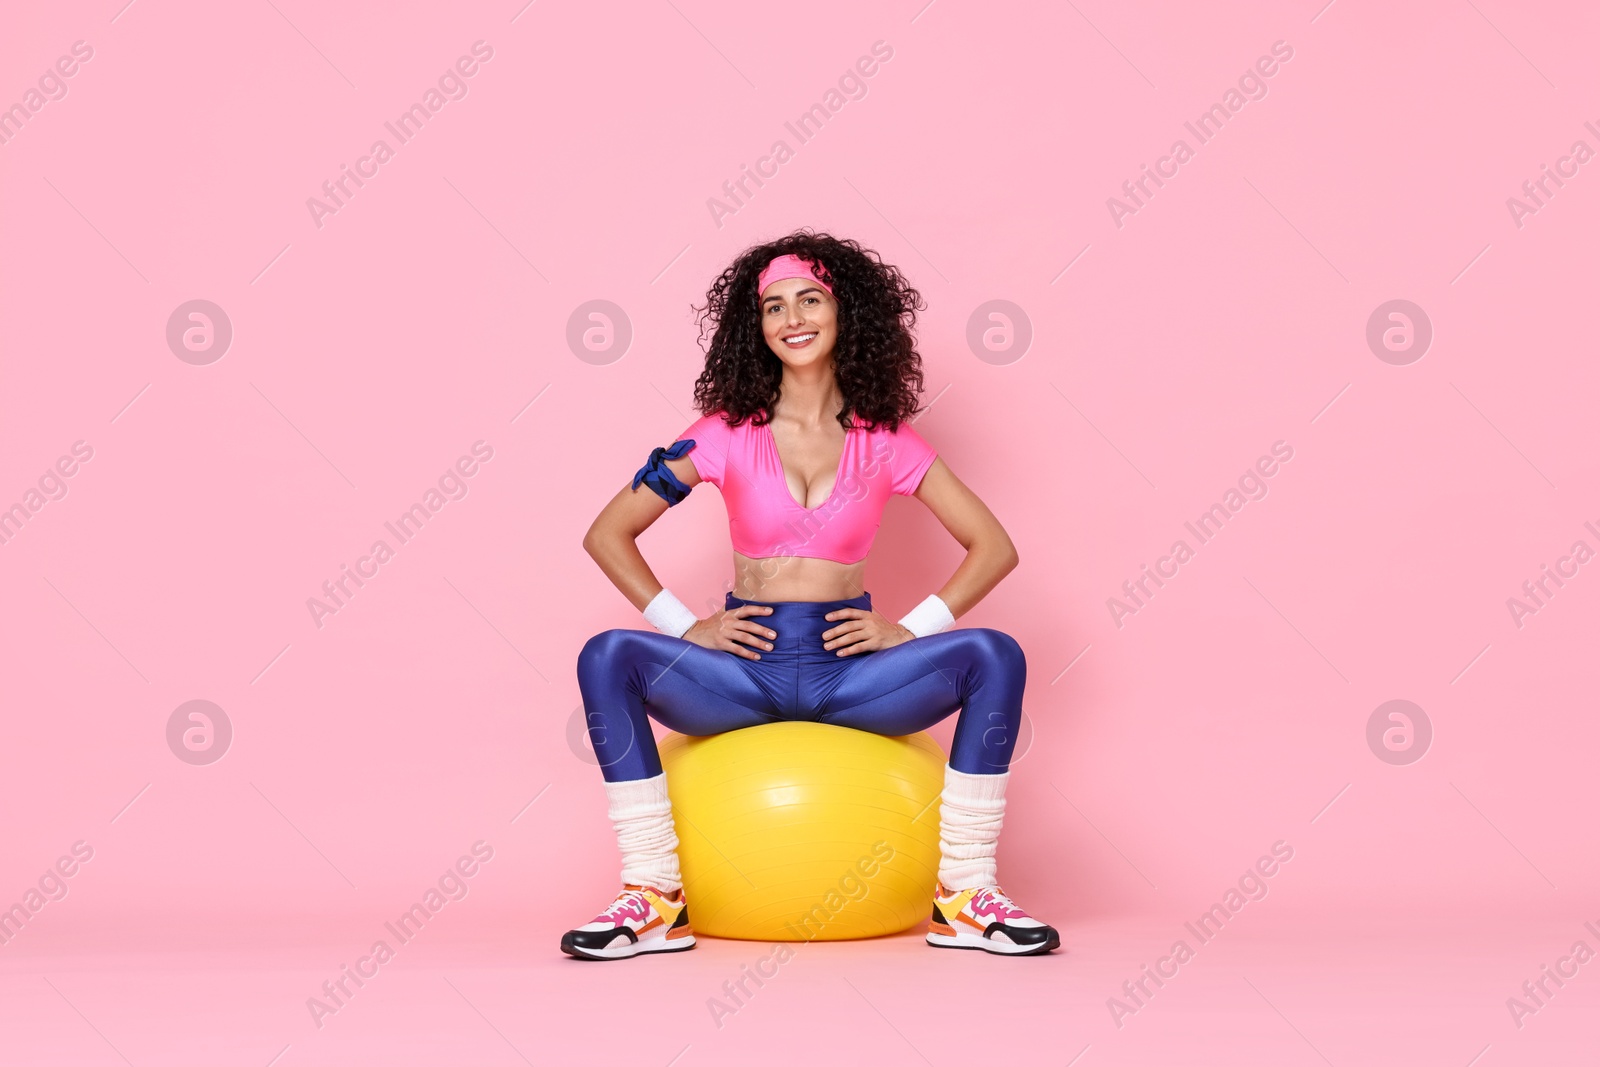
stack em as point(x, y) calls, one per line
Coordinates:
point(660, 478)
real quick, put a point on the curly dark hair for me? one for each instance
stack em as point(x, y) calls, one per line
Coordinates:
point(875, 357)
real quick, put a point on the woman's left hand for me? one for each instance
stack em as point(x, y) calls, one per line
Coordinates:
point(860, 630)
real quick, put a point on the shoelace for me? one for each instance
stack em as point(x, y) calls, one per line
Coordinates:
point(630, 901)
point(994, 895)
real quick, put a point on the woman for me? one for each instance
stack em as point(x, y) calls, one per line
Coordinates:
point(809, 385)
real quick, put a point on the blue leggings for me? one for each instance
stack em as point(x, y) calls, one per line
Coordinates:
point(625, 675)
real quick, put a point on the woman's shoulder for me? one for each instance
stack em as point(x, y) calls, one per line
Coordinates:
point(904, 431)
point(710, 419)
point(713, 427)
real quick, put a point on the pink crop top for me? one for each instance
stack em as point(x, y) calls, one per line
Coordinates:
point(764, 518)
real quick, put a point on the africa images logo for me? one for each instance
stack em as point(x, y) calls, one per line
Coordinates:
point(452, 85)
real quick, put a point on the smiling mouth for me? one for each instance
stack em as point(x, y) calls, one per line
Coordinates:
point(800, 340)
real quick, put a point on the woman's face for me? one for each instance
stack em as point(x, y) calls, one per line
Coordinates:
point(800, 320)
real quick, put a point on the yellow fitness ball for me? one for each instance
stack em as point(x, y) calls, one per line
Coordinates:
point(799, 831)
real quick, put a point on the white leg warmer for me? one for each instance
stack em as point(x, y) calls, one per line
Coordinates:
point(970, 811)
point(642, 815)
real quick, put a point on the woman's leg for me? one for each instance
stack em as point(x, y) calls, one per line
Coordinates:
point(625, 677)
point(911, 686)
point(628, 676)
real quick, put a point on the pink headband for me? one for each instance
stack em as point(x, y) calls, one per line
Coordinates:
point(790, 266)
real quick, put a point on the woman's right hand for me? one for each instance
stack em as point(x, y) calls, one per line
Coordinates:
point(732, 630)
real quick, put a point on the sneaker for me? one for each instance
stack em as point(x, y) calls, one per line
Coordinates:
point(641, 919)
point(985, 918)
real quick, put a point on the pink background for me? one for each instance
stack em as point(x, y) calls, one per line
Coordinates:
point(431, 312)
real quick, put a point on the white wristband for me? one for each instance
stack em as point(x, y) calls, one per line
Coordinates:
point(669, 615)
point(929, 617)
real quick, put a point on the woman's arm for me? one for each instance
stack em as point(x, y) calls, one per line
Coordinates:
point(990, 553)
point(612, 536)
point(611, 540)
point(990, 557)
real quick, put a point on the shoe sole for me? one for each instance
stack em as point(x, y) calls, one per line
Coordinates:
point(962, 939)
point(630, 949)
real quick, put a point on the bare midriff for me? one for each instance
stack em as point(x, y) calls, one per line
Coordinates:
point(778, 578)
